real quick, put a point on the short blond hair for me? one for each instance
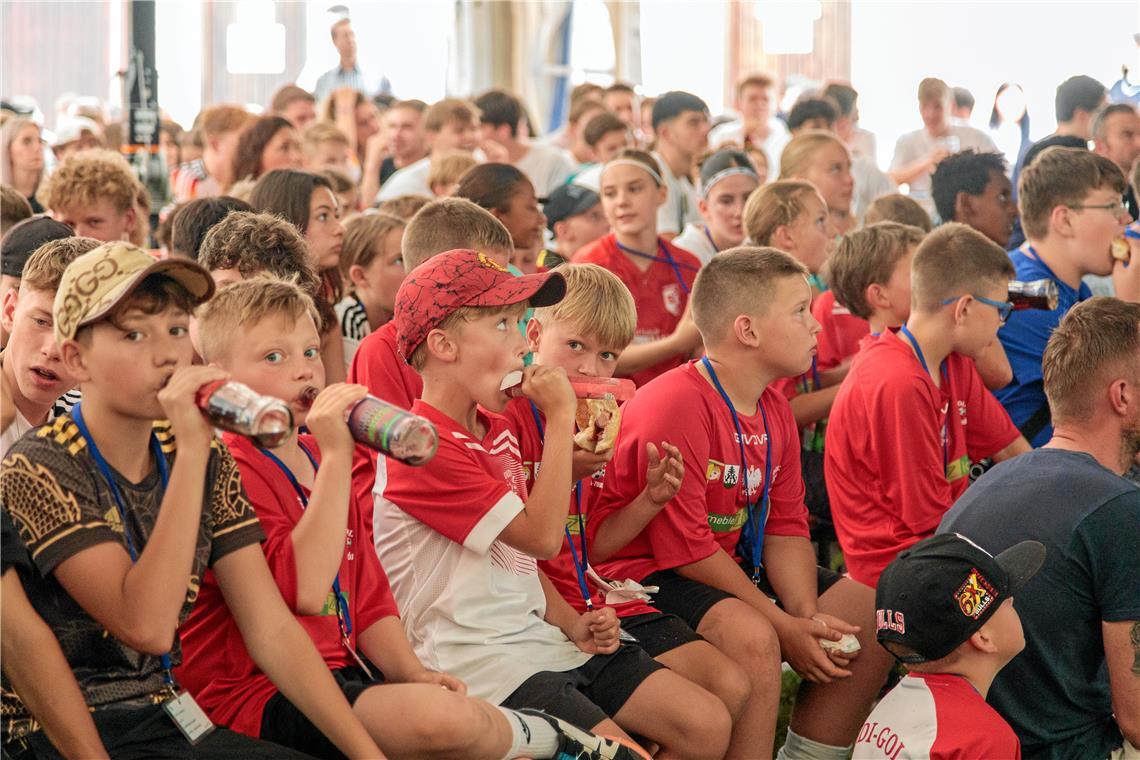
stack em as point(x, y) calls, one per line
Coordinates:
point(222, 119)
point(87, 177)
point(932, 89)
point(447, 168)
point(952, 261)
point(241, 305)
point(736, 281)
point(449, 111)
point(597, 303)
point(868, 257)
point(900, 208)
point(419, 357)
point(44, 268)
point(796, 158)
point(361, 234)
point(449, 224)
point(404, 206)
point(320, 132)
point(774, 205)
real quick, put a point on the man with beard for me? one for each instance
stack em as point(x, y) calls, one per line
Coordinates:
point(1081, 611)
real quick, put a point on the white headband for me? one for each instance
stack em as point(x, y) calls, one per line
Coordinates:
point(706, 187)
point(633, 162)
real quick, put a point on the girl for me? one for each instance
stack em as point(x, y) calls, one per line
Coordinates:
point(792, 216)
point(307, 201)
point(727, 179)
point(269, 143)
point(657, 273)
point(509, 196)
point(822, 159)
point(22, 162)
point(371, 262)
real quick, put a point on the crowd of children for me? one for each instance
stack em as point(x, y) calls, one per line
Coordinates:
point(816, 372)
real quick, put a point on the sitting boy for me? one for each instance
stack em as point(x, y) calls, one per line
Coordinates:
point(743, 494)
point(944, 607)
point(17, 247)
point(264, 333)
point(575, 219)
point(460, 543)
point(973, 188)
point(913, 412)
point(900, 208)
point(123, 515)
point(94, 193)
point(245, 244)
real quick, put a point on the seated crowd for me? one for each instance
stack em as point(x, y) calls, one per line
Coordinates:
point(864, 421)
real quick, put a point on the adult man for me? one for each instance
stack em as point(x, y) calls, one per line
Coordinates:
point(1116, 136)
point(347, 72)
point(622, 100)
point(545, 166)
point(963, 106)
point(1074, 691)
point(451, 124)
point(681, 127)
point(859, 141)
point(757, 124)
point(295, 104)
point(404, 141)
point(1077, 99)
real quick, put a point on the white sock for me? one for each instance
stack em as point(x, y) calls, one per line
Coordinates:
point(797, 747)
point(532, 736)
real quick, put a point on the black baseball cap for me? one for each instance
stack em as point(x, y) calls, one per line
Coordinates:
point(567, 201)
point(937, 593)
point(22, 240)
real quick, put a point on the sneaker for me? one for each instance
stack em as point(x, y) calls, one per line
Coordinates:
point(577, 744)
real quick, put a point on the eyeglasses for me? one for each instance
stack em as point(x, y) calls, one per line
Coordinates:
point(1004, 308)
point(1116, 208)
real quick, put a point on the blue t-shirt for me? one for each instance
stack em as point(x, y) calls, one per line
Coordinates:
point(1024, 338)
point(1055, 694)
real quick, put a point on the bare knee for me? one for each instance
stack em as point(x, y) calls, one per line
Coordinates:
point(732, 686)
point(708, 735)
point(453, 725)
point(732, 626)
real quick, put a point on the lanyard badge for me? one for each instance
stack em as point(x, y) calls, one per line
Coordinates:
point(946, 378)
point(664, 258)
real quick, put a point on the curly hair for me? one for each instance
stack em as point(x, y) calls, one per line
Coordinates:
point(252, 243)
point(88, 176)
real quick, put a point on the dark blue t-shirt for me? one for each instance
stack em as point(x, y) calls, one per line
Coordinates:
point(1024, 337)
point(1055, 694)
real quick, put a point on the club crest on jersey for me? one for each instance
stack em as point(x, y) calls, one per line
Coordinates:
point(714, 470)
point(671, 296)
point(975, 594)
point(731, 475)
point(753, 481)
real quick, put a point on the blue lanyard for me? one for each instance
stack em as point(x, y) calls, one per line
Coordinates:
point(664, 258)
point(343, 618)
point(105, 470)
point(815, 383)
point(580, 562)
point(946, 379)
point(711, 241)
point(752, 535)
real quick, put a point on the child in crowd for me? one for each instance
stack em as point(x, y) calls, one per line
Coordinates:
point(270, 142)
point(17, 247)
point(446, 171)
point(585, 334)
point(404, 206)
point(822, 159)
point(736, 535)
point(94, 193)
point(973, 188)
point(606, 135)
point(14, 208)
point(657, 273)
point(460, 543)
point(897, 207)
point(39, 386)
point(913, 413)
point(345, 191)
point(727, 179)
point(575, 219)
point(1071, 211)
point(449, 125)
point(324, 146)
point(791, 215)
point(218, 129)
point(501, 114)
point(581, 113)
point(193, 220)
point(372, 263)
point(245, 244)
point(506, 192)
point(944, 607)
point(264, 333)
point(123, 516)
point(681, 133)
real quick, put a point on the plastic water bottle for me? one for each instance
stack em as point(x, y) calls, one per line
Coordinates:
point(393, 431)
point(237, 408)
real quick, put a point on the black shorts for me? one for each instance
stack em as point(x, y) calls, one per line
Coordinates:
point(283, 723)
point(658, 633)
point(691, 600)
point(590, 693)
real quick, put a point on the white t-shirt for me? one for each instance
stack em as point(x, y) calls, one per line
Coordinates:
point(547, 168)
point(354, 326)
point(778, 137)
point(694, 240)
point(918, 144)
point(411, 180)
point(20, 424)
point(471, 605)
point(871, 182)
point(680, 207)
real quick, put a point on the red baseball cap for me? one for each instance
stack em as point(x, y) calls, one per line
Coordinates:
point(448, 281)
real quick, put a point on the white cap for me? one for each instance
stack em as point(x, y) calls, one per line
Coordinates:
point(71, 128)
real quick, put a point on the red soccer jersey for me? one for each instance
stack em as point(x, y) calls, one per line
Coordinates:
point(660, 292)
point(217, 669)
point(681, 407)
point(897, 456)
point(560, 570)
point(840, 332)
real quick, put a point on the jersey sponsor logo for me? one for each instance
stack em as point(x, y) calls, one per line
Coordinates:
point(975, 594)
point(714, 470)
point(572, 524)
point(753, 481)
point(671, 296)
point(751, 439)
point(958, 469)
point(728, 523)
point(890, 620)
point(329, 607)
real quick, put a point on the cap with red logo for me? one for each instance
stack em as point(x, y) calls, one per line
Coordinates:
point(937, 593)
point(451, 280)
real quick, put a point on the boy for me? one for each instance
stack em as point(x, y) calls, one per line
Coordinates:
point(14, 208)
point(812, 113)
point(1071, 210)
point(40, 387)
point(326, 147)
point(15, 249)
point(450, 124)
point(585, 334)
point(607, 135)
point(897, 208)
point(460, 543)
point(575, 219)
point(681, 128)
point(192, 221)
point(245, 243)
point(219, 127)
point(501, 113)
point(913, 413)
point(759, 125)
point(300, 490)
point(295, 104)
point(122, 515)
point(742, 459)
point(972, 188)
point(945, 609)
point(446, 171)
point(94, 193)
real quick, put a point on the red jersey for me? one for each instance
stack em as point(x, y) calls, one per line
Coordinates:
point(712, 506)
point(659, 292)
point(899, 449)
point(217, 668)
point(560, 570)
point(840, 331)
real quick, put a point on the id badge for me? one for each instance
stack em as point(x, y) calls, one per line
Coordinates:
point(189, 717)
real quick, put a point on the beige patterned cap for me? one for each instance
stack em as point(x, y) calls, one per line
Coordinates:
point(95, 282)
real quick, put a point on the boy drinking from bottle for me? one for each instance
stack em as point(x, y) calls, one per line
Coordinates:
point(264, 333)
point(123, 516)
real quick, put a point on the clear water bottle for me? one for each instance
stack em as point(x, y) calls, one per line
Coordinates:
point(237, 408)
point(393, 431)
